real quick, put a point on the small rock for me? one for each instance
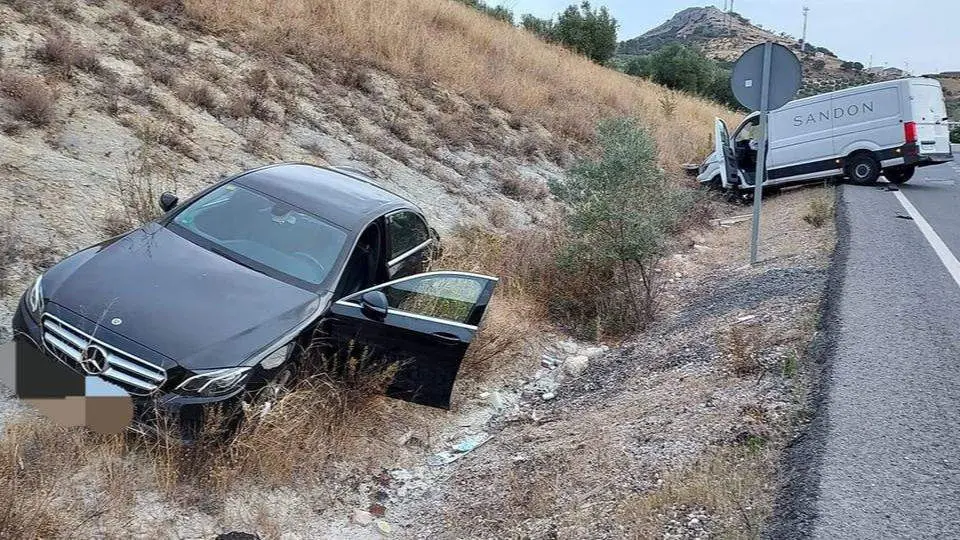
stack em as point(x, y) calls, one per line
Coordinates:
point(548, 361)
point(591, 352)
point(362, 517)
point(548, 396)
point(384, 527)
point(576, 365)
point(497, 402)
point(678, 275)
point(405, 438)
point(694, 523)
point(378, 510)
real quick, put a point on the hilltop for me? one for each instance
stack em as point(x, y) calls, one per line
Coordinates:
point(724, 36)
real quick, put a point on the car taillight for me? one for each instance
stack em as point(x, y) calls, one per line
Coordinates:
point(910, 132)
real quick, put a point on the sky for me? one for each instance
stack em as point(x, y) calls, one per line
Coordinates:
point(915, 35)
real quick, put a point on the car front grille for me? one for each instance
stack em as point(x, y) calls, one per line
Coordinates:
point(67, 343)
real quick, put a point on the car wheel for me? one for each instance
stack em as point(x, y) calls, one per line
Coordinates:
point(863, 169)
point(899, 175)
point(275, 389)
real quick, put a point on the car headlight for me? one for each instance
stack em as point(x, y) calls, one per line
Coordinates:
point(215, 382)
point(35, 298)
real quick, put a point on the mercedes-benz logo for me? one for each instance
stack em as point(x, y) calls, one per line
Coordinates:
point(93, 360)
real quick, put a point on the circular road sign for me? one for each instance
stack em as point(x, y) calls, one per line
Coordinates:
point(747, 75)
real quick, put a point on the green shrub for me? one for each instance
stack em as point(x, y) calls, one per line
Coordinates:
point(621, 209)
point(582, 29)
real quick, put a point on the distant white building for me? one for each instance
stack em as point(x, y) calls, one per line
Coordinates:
point(887, 73)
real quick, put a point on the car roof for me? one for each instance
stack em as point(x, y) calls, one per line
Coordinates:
point(347, 199)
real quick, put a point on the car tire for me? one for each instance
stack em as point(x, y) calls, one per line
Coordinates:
point(715, 184)
point(277, 387)
point(862, 169)
point(899, 175)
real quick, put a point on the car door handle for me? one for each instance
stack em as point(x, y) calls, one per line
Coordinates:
point(447, 337)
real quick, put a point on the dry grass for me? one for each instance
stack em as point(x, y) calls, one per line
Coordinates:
point(29, 97)
point(819, 211)
point(740, 348)
point(466, 51)
point(10, 245)
point(515, 186)
point(731, 486)
point(66, 54)
point(199, 93)
point(138, 188)
point(290, 442)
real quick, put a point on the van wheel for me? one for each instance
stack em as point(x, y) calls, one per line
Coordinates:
point(863, 170)
point(899, 175)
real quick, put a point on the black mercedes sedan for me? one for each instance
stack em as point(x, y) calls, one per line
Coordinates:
point(222, 293)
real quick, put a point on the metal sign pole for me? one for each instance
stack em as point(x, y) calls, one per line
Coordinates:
point(761, 172)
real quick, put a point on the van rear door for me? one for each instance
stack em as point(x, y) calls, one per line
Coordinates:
point(929, 113)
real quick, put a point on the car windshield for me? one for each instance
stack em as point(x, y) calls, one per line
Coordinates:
point(263, 233)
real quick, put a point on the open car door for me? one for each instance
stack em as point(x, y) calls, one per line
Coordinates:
point(422, 323)
point(721, 141)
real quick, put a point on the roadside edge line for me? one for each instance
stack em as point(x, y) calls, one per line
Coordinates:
point(946, 256)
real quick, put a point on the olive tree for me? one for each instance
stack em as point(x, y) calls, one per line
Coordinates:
point(622, 208)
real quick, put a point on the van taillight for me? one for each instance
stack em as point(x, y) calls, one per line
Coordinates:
point(910, 132)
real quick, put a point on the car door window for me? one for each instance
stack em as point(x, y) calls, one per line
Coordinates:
point(456, 297)
point(429, 323)
point(441, 297)
point(407, 231)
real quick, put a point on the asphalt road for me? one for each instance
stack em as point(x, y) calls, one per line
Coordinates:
point(882, 459)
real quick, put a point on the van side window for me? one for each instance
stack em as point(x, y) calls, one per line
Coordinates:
point(407, 231)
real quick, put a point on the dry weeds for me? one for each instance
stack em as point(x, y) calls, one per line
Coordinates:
point(66, 54)
point(464, 50)
point(819, 212)
point(730, 485)
point(30, 98)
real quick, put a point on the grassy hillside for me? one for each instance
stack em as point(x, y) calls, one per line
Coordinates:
point(463, 50)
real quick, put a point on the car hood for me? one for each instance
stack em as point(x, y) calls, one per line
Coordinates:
point(194, 307)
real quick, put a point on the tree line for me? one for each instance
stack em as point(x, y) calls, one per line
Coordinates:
point(581, 28)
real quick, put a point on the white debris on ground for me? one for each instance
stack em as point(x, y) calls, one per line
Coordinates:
point(561, 363)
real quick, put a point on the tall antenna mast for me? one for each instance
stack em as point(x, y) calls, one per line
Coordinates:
point(729, 19)
point(803, 40)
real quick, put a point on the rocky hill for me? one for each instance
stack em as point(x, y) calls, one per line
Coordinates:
point(724, 36)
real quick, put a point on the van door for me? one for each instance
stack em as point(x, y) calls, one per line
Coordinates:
point(724, 151)
point(930, 115)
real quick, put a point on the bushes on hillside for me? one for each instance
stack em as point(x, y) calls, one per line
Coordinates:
point(684, 68)
point(621, 210)
point(583, 29)
point(497, 12)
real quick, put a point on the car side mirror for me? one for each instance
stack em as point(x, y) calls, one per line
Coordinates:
point(373, 305)
point(168, 201)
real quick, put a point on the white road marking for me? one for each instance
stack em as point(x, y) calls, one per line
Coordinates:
point(946, 256)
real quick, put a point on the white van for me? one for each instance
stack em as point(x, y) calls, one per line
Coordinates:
point(889, 127)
